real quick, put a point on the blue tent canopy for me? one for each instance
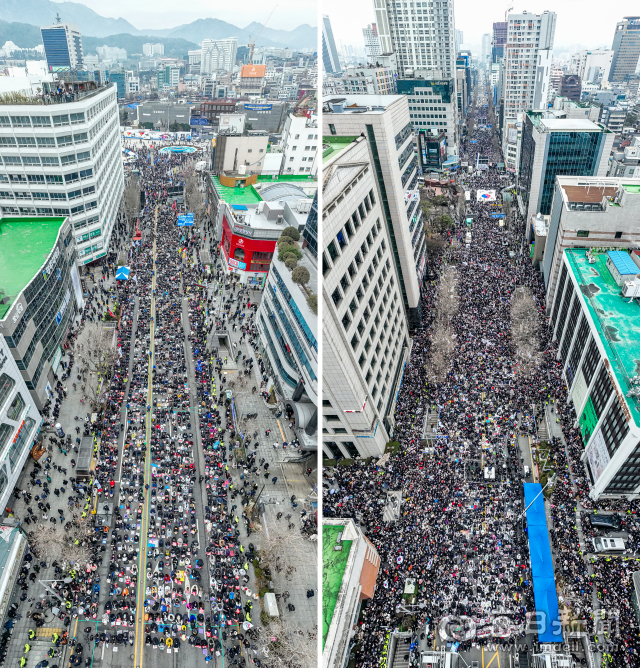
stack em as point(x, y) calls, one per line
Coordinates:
point(122, 273)
point(544, 581)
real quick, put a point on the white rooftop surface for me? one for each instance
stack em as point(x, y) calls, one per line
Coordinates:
point(568, 124)
point(363, 100)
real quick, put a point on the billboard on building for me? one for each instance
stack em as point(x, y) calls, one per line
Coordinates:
point(598, 455)
point(253, 71)
point(512, 136)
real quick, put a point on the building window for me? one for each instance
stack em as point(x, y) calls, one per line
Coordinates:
point(6, 385)
point(332, 418)
point(332, 129)
point(618, 235)
point(15, 410)
point(583, 233)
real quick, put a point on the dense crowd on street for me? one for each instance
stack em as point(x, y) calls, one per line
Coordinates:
point(163, 487)
point(459, 538)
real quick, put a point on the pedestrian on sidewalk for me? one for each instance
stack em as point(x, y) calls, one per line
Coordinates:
point(274, 479)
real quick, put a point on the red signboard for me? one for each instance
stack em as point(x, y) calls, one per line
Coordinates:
point(231, 242)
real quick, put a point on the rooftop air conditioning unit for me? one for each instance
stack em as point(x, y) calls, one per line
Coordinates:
point(280, 220)
point(632, 288)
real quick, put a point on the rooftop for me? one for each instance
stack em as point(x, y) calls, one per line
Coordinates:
point(616, 320)
point(589, 194)
point(332, 145)
point(26, 243)
point(564, 124)
point(333, 567)
point(350, 104)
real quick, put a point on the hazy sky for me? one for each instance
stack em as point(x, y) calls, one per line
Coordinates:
point(159, 14)
point(588, 22)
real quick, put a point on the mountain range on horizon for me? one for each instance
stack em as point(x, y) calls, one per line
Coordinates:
point(43, 13)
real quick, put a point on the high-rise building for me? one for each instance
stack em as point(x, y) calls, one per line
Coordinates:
point(63, 47)
point(218, 55)
point(385, 122)
point(422, 94)
point(423, 39)
point(459, 39)
point(288, 328)
point(499, 40)
point(17, 435)
point(365, 329)
point(371, 42)
point(330, 58)
point(596, 333)
point(153, 49)
point(486, 49)
point(593, 66)
point(553, 147)
point(64, 159)
point(527, 64)
point(626, 48)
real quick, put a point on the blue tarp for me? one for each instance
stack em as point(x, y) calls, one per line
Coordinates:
point(544, 581)
point(623, 262)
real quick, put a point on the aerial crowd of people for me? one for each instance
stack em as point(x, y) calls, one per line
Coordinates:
point(461, 538)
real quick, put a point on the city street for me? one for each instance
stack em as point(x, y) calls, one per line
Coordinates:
point(184, 573)
point(494, 418)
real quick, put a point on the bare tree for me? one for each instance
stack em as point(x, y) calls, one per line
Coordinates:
point(283, 550)
point(525, 330)
point(194, 197)
point(443, 340)
point(69, 547)
point(131, 199)
point(96, 356)
point(286, 647)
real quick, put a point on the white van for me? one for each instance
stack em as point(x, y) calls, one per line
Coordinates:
point(608, 545)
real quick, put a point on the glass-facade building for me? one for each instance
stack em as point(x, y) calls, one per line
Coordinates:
point(62, 47)
point(558, 147)
point(310, 233)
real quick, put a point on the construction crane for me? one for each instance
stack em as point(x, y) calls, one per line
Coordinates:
point(252, 45)
point(507, 12)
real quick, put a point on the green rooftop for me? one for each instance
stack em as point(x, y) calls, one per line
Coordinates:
point(246, 196)
point(333, 566)
point(631, 188)
point(249, 195)
point(617, 321)
point(26, 244)
point(332, 145)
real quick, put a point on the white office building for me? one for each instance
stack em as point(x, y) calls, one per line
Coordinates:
point(486, 50)
point(364, 323)
point(527, 67)
point(218, 55)
point(300, 145)
point(65, 160)
point(422, 37)
point(592, 66)
point(384, 120)
point(371, 42)
point(19, 422)
point(153, 49)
